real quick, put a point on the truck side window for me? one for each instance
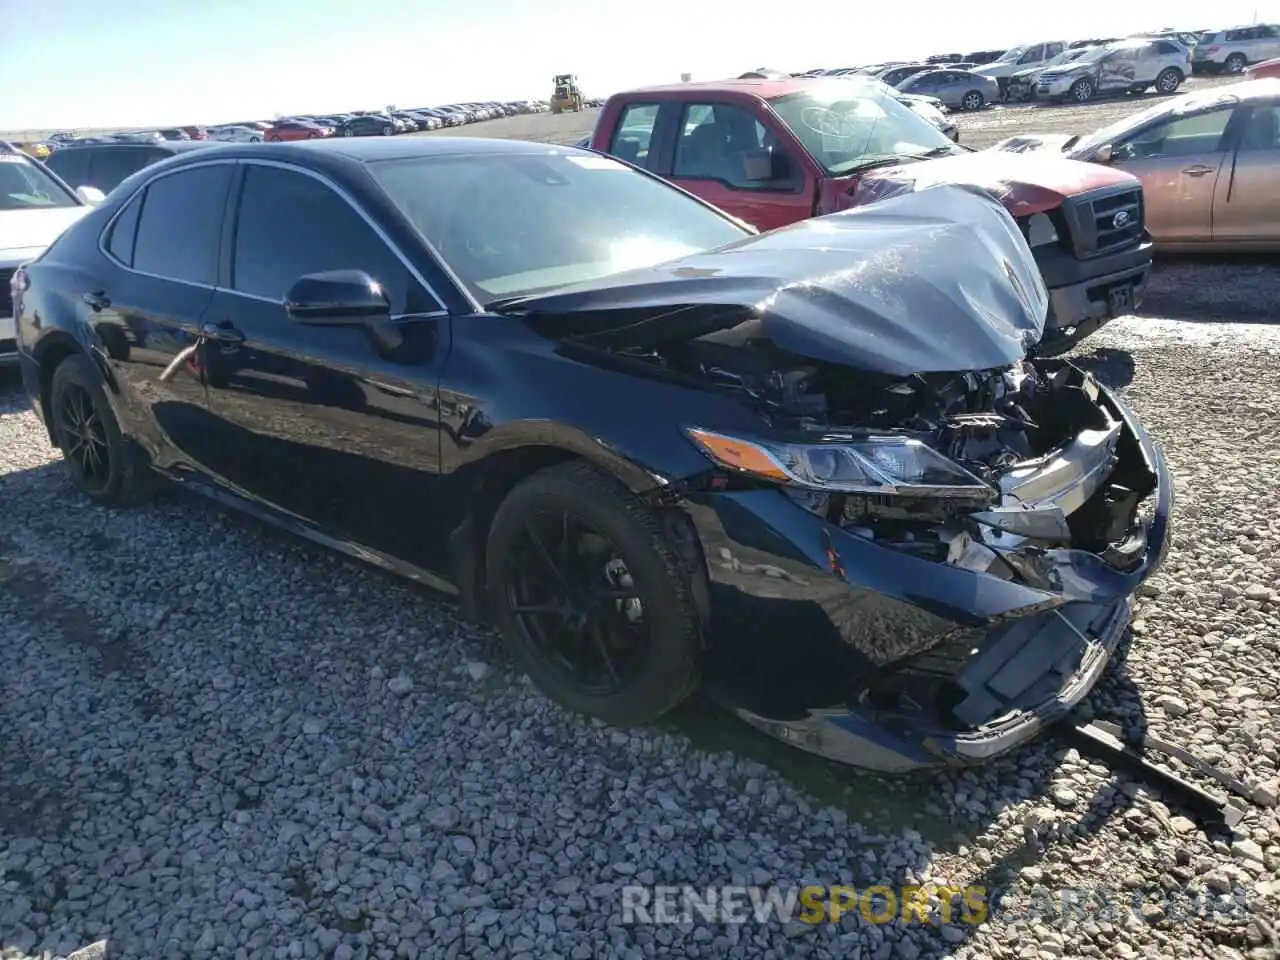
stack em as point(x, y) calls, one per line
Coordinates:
point(714, 142)
point(634, 132)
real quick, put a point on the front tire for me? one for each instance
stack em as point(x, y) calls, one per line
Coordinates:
point(1169, 80)
point(387, 131)
point(591, 598)
point(1235, 63)
point(1082, 90)
point(103, 464)
point(972, 101)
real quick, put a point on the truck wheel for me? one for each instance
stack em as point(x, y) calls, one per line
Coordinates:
point(591, 598)
point(1082, 90)
point(1235, 63)
point(973, 100)
point(1169, 81)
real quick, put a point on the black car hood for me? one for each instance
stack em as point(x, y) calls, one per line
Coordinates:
point(933, 281)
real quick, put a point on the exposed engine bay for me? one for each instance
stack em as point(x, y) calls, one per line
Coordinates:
point(1059, 470)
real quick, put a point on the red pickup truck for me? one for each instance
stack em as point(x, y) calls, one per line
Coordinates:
point(772, 152)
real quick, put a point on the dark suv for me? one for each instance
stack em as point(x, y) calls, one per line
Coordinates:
point(105, 165)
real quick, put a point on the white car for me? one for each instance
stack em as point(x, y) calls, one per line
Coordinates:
point(1230, 51)
point(1019, 58)
point(235, 134)
point(35, 207)
point(1126, 66)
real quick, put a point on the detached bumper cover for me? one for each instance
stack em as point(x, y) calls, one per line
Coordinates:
point(824, 609)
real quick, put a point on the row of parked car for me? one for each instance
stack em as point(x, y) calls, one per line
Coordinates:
point(1077, 71)
point(359, 123)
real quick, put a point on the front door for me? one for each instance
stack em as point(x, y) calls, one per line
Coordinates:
point(337, 426)
point(713, 141)
point(148, 309)
point(1247, 207)
point(1180, 163)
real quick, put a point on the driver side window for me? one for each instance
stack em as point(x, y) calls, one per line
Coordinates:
point(289, 224)
point(1183, 137)
point(714, 144)
point(1034, 55)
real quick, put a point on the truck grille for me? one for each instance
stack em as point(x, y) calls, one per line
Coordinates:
point(6, 297)
point(1104, 221)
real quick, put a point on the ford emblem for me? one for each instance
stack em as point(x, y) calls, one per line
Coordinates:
point(1120, 220)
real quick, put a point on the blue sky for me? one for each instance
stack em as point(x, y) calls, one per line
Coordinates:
point(96, 63)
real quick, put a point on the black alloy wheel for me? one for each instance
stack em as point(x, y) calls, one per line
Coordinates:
point(593, 601)
point(576, 603)
point(109, 468)
point(84, 436)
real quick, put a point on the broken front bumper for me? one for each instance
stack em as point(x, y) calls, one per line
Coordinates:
point(808, 617)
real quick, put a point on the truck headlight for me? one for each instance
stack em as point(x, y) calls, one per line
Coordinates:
point(1040, 230)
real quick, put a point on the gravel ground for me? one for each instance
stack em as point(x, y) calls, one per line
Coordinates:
point(217, 742)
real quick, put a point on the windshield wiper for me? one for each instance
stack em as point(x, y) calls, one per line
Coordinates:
point(893, 159)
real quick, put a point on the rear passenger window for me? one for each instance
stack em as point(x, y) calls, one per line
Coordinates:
point(110, 166)
point(181, 224)
point(634, 134)
point(1164, 46)
point(123, 232)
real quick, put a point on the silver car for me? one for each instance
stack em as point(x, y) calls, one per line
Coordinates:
point(1230, 51)
point(959, 89)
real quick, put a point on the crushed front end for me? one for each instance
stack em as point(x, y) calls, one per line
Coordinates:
point(924, 570)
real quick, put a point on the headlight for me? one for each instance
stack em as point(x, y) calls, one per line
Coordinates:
point(1041, 231)
point(867, 464)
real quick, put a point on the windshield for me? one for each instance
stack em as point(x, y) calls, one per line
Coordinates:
point(1014, 54)
point(848, 124)
point(1116, 132)
point(512, 224)
point(25, 184)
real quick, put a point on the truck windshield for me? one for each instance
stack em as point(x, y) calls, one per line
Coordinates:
point(854, 125)
point(26, 185)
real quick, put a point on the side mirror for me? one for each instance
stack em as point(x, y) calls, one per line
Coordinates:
point(337, 298)
point(1104, 154)
point(90, 195)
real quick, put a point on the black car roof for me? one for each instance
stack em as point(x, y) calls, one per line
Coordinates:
point(175, 146)
point(326, 152)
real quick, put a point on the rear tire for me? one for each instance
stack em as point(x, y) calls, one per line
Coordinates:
point(972, 101)
point(105, 465)
point(653, 668)
point(1169, 81)
point(387, 131)
point(1235, 63)
point(1082, 90)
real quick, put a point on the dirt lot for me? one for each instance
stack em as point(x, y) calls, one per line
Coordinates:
point(218, 743)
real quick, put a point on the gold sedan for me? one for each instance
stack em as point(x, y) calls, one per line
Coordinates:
point(1209, 164)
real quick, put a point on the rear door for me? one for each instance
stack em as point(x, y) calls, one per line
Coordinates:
point(1180, 162)
point(1247, 202)
point(162, 250)
point(1118, 71)
point(712, 144)
point(336, 426)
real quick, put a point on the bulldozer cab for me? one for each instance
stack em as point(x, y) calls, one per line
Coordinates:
point(566, 95)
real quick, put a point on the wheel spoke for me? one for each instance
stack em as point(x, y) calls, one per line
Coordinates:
point(536, 608)
point(602, 648)
point(543, 553)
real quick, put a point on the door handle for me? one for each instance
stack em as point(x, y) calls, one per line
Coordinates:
point(222, 332)
point(97, 300)
point(1198, 170)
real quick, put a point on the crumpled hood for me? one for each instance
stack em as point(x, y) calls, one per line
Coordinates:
point(1026, 185)
point(927, 282)
point(24, 234)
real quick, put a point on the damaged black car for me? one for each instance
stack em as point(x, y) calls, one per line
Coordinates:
point(810, 472)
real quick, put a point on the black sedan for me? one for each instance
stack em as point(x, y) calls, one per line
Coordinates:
point(367, 125)
point(809, 470)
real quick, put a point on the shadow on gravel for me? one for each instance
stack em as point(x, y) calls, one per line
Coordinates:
point(1225, 288)
point(1111, 365)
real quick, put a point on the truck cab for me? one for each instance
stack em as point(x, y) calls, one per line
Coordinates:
point(773, 152)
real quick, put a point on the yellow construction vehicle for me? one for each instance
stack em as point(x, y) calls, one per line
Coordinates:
point(567, 96)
